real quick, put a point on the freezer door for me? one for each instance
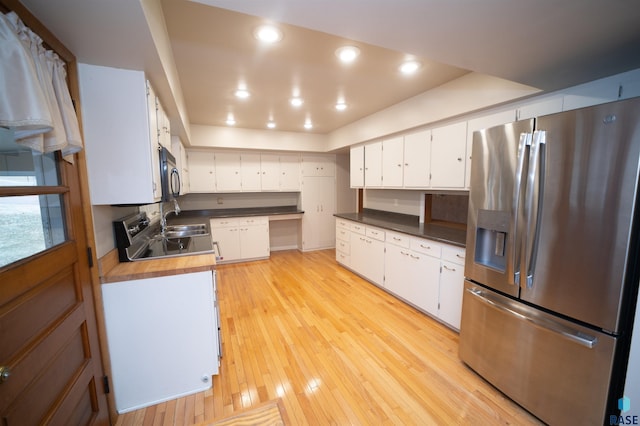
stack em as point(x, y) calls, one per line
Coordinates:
point(588, 173)
point(499, 161)
point(557, 370)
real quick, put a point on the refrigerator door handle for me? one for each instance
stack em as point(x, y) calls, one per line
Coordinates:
point(516, 244)
point(569, 333)
point(535, 185)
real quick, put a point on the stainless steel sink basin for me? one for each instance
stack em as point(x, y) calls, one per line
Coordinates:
point(181, 231)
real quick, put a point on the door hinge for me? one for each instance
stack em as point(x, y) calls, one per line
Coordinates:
point(105, 384)
point(90, 257)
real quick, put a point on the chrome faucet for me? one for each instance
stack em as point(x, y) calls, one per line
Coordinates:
point(163, 216)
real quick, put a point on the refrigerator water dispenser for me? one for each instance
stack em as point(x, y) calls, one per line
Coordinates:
point(492, 233)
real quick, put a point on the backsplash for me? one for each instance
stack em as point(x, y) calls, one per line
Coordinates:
point(449, 208)
point(238, 200)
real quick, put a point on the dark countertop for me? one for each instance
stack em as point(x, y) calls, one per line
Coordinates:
point(408, 224)
point(243, 212)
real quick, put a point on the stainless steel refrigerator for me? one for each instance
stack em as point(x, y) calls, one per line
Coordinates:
point(552, 260)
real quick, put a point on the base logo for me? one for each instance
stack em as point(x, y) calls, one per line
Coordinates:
point(624, 405)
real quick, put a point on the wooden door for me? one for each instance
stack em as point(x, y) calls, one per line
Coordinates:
point(48, 335)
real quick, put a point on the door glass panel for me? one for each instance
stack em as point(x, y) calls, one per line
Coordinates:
point(28, 223)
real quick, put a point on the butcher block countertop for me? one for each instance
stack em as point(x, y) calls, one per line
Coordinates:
point(112, 270)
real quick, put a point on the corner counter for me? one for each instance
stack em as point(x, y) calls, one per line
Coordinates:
point(408, 224)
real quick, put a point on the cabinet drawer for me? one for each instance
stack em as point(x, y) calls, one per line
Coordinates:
point(358, 228)
point(375, 233)
point(343, 246)
point(453, 254)
point(345, 259)
point(256, 220)
point(426, 246)
point(342, 234)
point(224, 222)
point(342, 223)
point(398, 239)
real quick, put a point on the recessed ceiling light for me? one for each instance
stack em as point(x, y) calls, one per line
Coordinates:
point(308, 125)
point(271, 125)
point(341, 106)
point(410, 67)
point(296, 102)
point(268, 34)
point(347, 54)
point(230, 121)
point(242, 93)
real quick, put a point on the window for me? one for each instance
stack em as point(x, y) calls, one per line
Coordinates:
point(31, 201)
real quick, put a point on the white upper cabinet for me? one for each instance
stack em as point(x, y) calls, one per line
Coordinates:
point(373, 165)
point(448, 151)
point(250, 172)
point(356, 166)
point(593, 93)
point(228, 175)
point(417, 159)
point(290, 172)
point(392, 162)
point(202, 173)
point(270, 169)
point(318, 165)
point(120, 135)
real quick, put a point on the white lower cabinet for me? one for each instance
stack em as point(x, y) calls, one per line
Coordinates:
point(423, 272)
point(241, 238)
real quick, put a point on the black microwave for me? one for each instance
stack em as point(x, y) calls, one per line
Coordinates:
point(169, 176)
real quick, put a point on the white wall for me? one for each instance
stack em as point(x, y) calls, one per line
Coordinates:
point(346, 198)
point(231, 137)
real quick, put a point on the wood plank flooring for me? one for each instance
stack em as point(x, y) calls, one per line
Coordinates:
point(337, 350)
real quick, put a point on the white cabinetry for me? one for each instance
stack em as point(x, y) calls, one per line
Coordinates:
point(417, 159)
point(548, 105)
point(318, 202)
point(392, 162)
point(373, 165)
point(163, 337)
point(318, 165)
point(241, 238)
point(448, 152)
point(202, 172)
point(228, 173)
point(367, 252)
point(356, 166)
point(250, 172)
point(343, 242)
point(120, 134)
point(280, 172)
point(451, 285)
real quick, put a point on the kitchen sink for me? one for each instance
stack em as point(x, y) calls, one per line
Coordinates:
point(181, 231)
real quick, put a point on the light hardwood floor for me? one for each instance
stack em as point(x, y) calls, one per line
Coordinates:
point(337, 350)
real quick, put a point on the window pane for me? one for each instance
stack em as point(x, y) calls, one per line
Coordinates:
point(21, 166)
point(30, 224)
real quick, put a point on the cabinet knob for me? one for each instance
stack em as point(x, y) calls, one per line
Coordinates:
point(5, 372)
point(459, 158)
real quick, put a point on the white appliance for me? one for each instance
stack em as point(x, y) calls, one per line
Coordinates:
point(163, 337)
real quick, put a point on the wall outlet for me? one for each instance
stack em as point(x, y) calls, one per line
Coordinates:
point(220, 200)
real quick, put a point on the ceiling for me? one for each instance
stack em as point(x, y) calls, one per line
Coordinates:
point(545, 44)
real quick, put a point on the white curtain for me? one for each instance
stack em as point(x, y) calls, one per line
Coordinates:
point(35, 101)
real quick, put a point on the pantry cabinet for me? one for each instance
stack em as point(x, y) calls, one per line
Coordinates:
point(120, 134)
point(318, 200)
point(318, 165)
point(241, 238)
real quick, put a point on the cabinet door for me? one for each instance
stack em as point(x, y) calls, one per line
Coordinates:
point(451, 289)
point(154, 140)
point(290, 172)
point(373, 165)
point(228, 176)
point(270, 172)
point(540, 107)
point(250, 172)
point(356, 167)
point(318, 203)
point(417, 159)
point(392, 162)
point(318, 165)
point(228, 241)
point(254, 241)
point(448, 151)
point(202, 172)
